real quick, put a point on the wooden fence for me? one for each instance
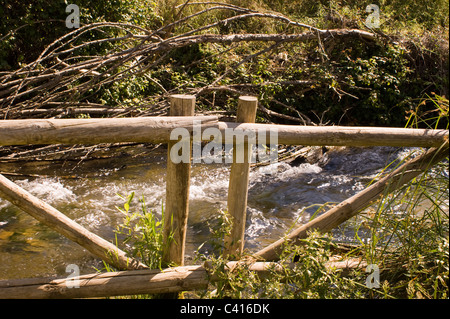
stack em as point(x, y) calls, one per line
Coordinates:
point(158, 130)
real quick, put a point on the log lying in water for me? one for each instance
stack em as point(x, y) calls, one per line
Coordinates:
point(170, 280)
point(353, 205)
point(158, 129)
point(59, 222)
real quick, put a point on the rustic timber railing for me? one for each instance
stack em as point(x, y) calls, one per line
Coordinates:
point(158, 130)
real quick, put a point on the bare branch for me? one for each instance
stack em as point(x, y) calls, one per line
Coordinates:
point(59, 78)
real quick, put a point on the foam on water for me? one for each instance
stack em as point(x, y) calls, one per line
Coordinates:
point(259, 224)
point(50, 190)
point(207, 186)
point(342, 183)
point(284, 171)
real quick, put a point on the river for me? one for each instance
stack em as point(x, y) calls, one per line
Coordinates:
point(279, 196)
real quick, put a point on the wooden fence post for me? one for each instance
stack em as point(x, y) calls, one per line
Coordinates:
point(238, 185)
point(177, 189)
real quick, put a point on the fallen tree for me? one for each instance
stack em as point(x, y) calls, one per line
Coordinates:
point(66, 74)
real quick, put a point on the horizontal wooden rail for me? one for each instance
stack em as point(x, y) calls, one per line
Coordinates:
point(344, 135)
point(133, 282)
point(95, 131)
point(158, 129)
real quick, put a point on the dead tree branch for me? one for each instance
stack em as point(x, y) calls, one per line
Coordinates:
point(65, 76)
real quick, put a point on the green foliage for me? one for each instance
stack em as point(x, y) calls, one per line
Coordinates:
point(218, 228)
point(380, 81)
point(408, 237)
point(137, 12)
point(346, 81)
point(428, 14)
point(431, 112)
point(306, 278)
point(126, 93)
point(301, 272)
point(143, 233)
point(394, 13)
point(409, 228)
point(26, 28)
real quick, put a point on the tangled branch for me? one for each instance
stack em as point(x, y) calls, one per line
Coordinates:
point(67, 74)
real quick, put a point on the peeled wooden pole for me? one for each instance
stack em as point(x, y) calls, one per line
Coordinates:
point(352, 206)
point(177, 189)
point(158, 129)
point(59, 222)
point(95, 131)
point(133, 282)
point(342, 135)
point(238, 184)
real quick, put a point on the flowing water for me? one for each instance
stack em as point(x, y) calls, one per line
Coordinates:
point(280, 195)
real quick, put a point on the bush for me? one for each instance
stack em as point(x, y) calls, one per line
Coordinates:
point(28, 27)
point(340, 81)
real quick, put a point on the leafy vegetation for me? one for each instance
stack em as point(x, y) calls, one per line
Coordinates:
point(397, 78)
point(26, 28)
point(143, 233)
point(340, 80)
